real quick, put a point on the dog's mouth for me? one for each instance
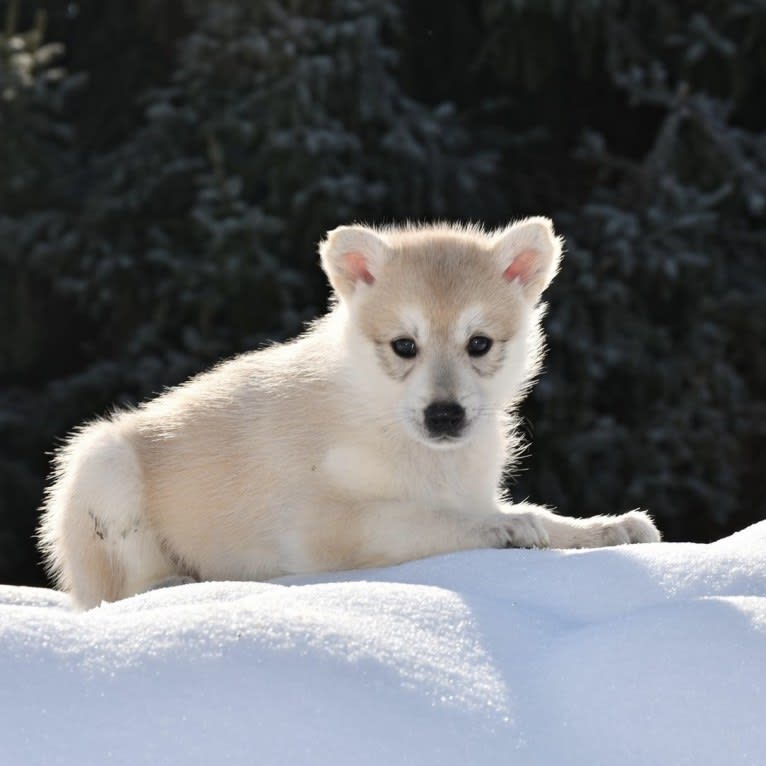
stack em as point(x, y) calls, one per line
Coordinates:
point(446, 441)
point(441, 441)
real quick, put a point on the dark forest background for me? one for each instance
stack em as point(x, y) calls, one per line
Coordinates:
point(168, 166)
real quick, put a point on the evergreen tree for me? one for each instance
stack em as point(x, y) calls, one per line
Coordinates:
point(37, 168)
point(272, 116)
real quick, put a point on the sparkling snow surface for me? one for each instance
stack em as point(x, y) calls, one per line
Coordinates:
point(646, 654)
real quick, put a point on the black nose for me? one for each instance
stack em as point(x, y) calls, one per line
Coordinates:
point(444, 418)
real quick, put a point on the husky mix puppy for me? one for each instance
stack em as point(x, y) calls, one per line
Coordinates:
point(379, 436)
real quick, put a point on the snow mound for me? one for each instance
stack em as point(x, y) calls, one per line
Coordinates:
point(650, 654)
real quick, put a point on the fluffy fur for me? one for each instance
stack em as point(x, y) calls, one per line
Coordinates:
point(318, 454)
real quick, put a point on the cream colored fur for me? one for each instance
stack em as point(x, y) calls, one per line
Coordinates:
point(313, 455)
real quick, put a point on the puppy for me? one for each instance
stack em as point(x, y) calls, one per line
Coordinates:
point(378, 436)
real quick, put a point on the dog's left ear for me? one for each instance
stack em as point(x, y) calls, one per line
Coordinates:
point(352, 256)
point(529, 252)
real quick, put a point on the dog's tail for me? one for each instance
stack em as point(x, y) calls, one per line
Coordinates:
point(94, 535)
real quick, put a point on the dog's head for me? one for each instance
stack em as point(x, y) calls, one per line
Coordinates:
point(442, 321)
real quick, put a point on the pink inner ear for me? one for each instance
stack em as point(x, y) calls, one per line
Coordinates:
point(355, 265)
point(522, 266)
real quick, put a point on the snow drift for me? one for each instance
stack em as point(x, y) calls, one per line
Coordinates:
point(650, 654)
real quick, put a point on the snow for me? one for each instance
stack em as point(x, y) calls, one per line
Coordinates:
point(646, 654)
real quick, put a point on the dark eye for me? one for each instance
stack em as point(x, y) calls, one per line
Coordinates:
point(404, 347)
point(479, 345)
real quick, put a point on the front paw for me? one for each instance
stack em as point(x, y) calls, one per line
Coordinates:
point(631, 527)
point(516, 530)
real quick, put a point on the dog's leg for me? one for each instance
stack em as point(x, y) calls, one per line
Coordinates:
point(407, 531)
point(391, 532)
point(595, 532)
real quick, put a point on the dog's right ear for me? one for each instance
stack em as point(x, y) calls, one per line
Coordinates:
point(352, 256)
